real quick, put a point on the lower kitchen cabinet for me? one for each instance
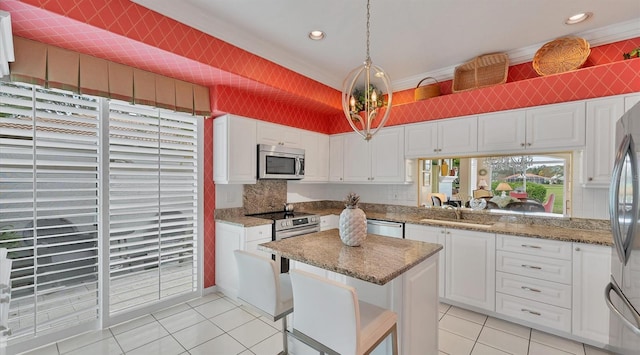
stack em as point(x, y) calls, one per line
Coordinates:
point(430, 235)
point(470, 268)
point(232, 237)
point(591, 273)
point(329, 222)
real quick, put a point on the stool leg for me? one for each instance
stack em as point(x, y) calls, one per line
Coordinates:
point(394, 337)
point(285, 343)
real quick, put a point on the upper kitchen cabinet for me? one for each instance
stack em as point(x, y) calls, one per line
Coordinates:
point(275, 134)
point(552, 127)
point(234, 150)
point(441, 138)
point(631, 100)
point(336, 158)
point(316, 156)
point(602, 115)
point(379, 160)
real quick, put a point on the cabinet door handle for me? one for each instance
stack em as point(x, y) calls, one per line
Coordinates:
point(532, 312)
point(530, 289)
point(522, 144)
point(531, 246)
point(529, 144)
point(577, 248)
point(531, 267)
point(590, 179)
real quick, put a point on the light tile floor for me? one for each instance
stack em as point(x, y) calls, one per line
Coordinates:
point(215, 324)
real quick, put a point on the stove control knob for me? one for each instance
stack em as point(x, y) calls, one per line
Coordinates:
point(283, 223)
point(289, 223)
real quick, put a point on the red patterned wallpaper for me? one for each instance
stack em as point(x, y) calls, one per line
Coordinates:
point(209, 207)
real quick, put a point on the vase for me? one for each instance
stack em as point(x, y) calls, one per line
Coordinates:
point(353, 226)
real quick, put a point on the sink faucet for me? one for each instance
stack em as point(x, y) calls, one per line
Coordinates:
point(456, 210)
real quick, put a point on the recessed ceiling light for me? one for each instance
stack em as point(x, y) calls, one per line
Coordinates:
point(316, 35)
point(577, 18)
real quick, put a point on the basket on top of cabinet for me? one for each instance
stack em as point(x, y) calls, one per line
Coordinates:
point(484, 70)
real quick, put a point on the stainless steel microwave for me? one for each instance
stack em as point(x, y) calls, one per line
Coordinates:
point(278, 162)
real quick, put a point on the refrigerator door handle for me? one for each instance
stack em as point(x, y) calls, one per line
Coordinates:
point(613, 286)
point(621, 245)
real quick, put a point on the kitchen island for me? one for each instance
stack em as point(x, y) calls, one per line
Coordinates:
point(398, 274)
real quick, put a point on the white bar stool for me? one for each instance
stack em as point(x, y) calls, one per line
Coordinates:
point(262, 287)
point(330, 319)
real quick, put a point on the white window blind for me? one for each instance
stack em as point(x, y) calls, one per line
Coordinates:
point(152, 205)
point(49, 184)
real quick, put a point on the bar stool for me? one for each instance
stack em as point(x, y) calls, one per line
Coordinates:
point(330, 319)
point(262, 287)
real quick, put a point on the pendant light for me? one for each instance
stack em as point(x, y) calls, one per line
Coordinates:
point(361, 100)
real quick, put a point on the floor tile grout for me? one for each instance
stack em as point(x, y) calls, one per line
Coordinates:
point(189, 307)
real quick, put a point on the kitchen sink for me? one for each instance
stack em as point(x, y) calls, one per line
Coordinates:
point(459, 222)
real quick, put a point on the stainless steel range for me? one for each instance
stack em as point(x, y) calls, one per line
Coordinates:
point(288, 224)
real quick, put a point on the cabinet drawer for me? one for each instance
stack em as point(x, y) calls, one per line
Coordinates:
point(534, 312)
point(534, 266)
point(252, 247)
point(533, 289)
point(258, 232)
point(534, 246)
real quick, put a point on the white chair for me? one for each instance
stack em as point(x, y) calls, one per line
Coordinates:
point(330, 319)
point(262, 287)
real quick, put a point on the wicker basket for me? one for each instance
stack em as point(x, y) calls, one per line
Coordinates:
point(428, 91)
point(561, 55)
point(482, 71)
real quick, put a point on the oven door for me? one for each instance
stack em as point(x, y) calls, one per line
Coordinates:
point(291, 233)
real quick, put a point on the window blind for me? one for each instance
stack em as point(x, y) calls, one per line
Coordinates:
point(152, 205)
point(49, 170)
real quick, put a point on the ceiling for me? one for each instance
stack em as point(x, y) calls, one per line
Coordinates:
point(410, 39)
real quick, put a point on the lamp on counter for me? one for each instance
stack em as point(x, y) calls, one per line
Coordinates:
point(503, 186)
point(364, 108)
point(482, 185)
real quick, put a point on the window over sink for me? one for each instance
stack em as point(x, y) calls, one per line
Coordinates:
point(533, 184)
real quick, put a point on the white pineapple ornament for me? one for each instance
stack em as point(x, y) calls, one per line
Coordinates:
point(353, 222)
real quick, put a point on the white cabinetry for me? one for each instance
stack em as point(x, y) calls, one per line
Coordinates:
point(591, 272)
point(316, 156)
point(430, 235)
point(232, 237)
point(602, 115)
point(442, 138)
point(379, 160)
point(534, 280)
point(336, 158)
point(631, 100)
point(470, 268)
point(275, 134)
point(234, 150)
point(560, 126)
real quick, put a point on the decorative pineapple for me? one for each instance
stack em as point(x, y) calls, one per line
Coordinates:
point(353, 222)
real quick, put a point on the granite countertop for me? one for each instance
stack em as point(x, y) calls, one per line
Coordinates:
point(557, 229)
point(245, 221)
point(589, 236)
point(378, 260)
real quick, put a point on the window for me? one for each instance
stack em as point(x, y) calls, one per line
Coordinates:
point(78, 173)
point(49, 169)
point(152, 204)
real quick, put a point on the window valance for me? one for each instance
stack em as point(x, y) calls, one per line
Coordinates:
point(54, 67)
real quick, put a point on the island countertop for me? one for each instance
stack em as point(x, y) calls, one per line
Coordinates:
point(378, 260)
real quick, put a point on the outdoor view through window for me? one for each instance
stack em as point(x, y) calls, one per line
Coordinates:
point(518, 183)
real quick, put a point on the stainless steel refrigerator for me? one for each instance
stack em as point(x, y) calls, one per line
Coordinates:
point(623, 292)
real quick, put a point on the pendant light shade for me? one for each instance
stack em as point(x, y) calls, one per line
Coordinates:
point(362, 95)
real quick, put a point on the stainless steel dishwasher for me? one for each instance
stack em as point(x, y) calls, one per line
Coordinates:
point(385, 228)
